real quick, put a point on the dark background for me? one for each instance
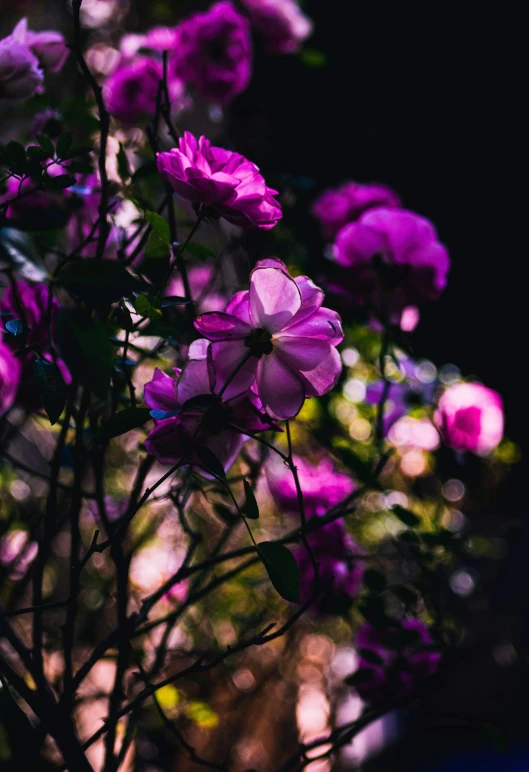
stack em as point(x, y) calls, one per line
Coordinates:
point(429, 101)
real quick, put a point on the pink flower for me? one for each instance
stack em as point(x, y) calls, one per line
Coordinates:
point(279, 336)
point(393, 258)
point(338, 206)
point(323, 487)
point(336, 553)
point(224, 181)
point(175, 434)
point(470, 417)
point(213, 53)
point(282, 24)
point(130, 92)
point(9, 377)
point(20, 74)
point(48, 46)
point(406, 658)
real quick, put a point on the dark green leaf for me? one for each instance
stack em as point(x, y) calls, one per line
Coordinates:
point(123, 422)
point(148, 169)
point(405, 516)
point(199, 251)
point(159, 225)
point(145, 306)
point(156, 246)
point(159, 329)
point(361, 676)
point(251, 508)
point(76, 151)
point(45, 144)
point(408, 537)
point(85, 347)
point(51, 387)
point(208, 459)
point(225, 514)
point(374, 580)
point(199, 401)
point(64, 143)
point(98, 282)
point(14, 156)
point(360, 468)
point(123, 164)
point(18, 252)
point(36, 153)
point(80, 167)
point(282, 569)
point(60, 182)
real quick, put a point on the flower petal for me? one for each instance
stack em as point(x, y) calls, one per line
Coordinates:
point(160, 394)
point(217, 325)
point(193, 380)
point(164, 441)
point(280, 390)
point(325, 324)
point(274, 298)
point(317, 362)
point(226, 357)
point(239, 306)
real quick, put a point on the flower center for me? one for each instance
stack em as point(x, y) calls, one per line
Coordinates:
point(259, 341)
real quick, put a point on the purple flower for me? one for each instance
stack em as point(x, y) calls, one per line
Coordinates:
point(20, 74)
point(405, 658)
point(130, 92)
point(392, 258)
point(213, 53)
point(224, 181)
point(338, 206)
point(175, 436)
point(48, 46)
point(336, 554)
point(280, 338)
point(470, 417)
point(282, 24)
point(9, 377)
point(323, 487)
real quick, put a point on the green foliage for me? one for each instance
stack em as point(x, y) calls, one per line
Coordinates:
point(282, 569)
point(123, 422)
point(51, 387)
point(85, 347)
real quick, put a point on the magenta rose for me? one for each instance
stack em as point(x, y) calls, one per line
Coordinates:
point(221, 180)
point(278, 337)
point(338, 206)
point(10, 370)
point(49, 46)
point(282, 24)
point(175, 434)
point(394, 660)
point(470, 417)
point(392, 258)
point(20, 74)
point(340, 570)
point(323, 487)
point(213, 53)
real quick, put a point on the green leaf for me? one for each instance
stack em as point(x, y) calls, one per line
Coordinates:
point(208, 459)
point(405, 516)
point(76, 151)
point(51, 388)
point(156, 246)
point(123, 422)
point(36, 153)
point(46, 144)
point(123, 164)
point(282, 569)
point(99, 282)
point(80, 167)
point(18, 252)
point(312, 57)
point(64, 143)
point(159, 225)
point(85, 347)
point(225, 514)
point(14, 156)
point(148, 169)
point(250, 508)
point(199, 250)
point(60, 182)
point(145, 306)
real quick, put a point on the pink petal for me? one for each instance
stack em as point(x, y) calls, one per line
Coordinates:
point(193, 380)
point(198, 349)
point(216, 325)
point(164, 441)
point(280, 390)
point(274, 298)
point(239, 306)
point(317, 363)
point(325, 324)
point(160, 393)
point(272, 262)
point(311, 298)
point(226, 357)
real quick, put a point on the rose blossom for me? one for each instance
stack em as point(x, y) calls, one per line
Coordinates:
point(323, 487)
point(48, 46)
point(393, 258)
point(338, 206)
point(220, 179)
point(335, 552)
point(470, 417)
point(20, 75)
point(9, 377)
point(282, 24)
point(173, 437)
point(213, 53)
point(130, 92)
point(280, 337)
point(405, 659)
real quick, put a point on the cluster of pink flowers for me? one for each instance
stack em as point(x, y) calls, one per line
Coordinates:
point(323, 486)
point(281, 23)
point(25, 56)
